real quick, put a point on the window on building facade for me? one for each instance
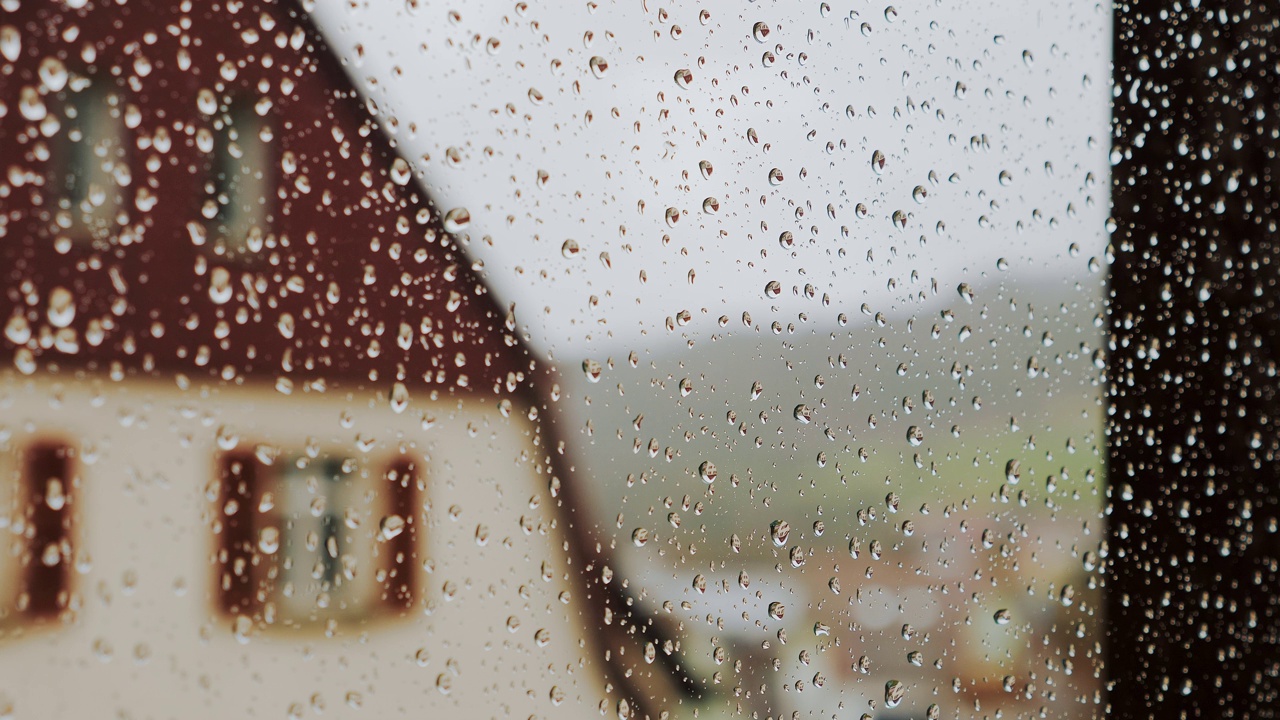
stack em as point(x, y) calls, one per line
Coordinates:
point(314, 539)
point(90, 167)
point(243, 177)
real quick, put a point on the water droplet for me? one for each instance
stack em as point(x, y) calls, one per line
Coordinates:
point(797, 557)
point(401, 173)
point(684, 78)
point(640, 536)
point(777, 610)
point(269, 540)
point(760, 31)
point(1003, 617)
point(772, 289)
point(700, 583)
point(241, 628)
point(592, 370)
point(803, 413)
point(877, 162)
point(30, 106)
point(1013, 471)
point(894, 692)
point(62, 307)
point(457, 220)
point(965, 292)
point(17, 330)
point(775, 176)
point(10, 43)
point(707, 471)
point(220, 289)
point(570, 249)
point(390, 526)
point(599, 66)
point(53, 74)
point(779, 530)
point(1090, 561)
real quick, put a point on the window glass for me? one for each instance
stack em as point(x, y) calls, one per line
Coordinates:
point(242, 171)
point(318, 556)
point(90, 166)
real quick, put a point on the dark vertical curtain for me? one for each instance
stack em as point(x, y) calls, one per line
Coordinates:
point(1192, 614)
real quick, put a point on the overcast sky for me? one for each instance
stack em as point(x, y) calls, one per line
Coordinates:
point(504, 114)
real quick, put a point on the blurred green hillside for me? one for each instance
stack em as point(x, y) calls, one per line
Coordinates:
point(961, 442)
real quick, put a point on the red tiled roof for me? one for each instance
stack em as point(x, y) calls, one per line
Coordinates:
point(355, 257)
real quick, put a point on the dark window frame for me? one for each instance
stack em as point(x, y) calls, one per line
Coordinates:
point(1192, 574)
point(247, 579)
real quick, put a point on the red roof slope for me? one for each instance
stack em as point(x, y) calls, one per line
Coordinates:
point(356, 281)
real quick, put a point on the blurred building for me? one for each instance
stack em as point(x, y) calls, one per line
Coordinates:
point(267, 444)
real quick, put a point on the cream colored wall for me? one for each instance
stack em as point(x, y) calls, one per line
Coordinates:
point(146, 642)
